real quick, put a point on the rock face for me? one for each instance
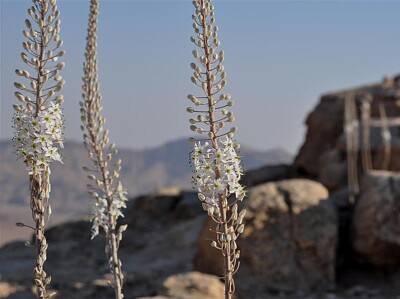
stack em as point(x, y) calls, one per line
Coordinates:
point(289, 239)
point(376, 220)
point(160, 241)
point(268, 173)
point(193, 285)
point(323, 154)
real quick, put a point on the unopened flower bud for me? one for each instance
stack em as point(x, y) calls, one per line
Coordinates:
point(241, 229)
point(28, 23)
point(20, 97)
point(59, 99)
point(201, 196)
point(17, 107)
point(19, 85)
point(24, 57)
point(61, 65)
point(19, 72)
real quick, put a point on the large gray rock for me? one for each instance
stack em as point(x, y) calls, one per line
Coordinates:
point(323, 153)
point(376, 220)
point(289, 240)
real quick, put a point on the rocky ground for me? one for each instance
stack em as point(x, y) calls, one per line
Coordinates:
point(289, 250)
point(303, 238)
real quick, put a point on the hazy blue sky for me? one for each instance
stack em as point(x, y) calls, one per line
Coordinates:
point(280, 57)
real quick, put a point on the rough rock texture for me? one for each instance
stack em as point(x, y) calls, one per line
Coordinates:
point(160, 241)
point(193, 285)
point(323, 154)
point(333, 171)
point(376, 220)
point(190, 285)
point(289, 240)
point(268, 173)
point(162, 238)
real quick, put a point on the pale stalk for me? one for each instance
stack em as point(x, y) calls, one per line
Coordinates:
point(96, 147)
point(40, 183)
point(223, 203)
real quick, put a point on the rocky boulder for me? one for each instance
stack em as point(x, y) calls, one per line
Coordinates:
point(193, 285)
point(267, 173)
point(160, 241)
point(190, 285)
point(323, 153)
point(289, 240)
point(376, 221)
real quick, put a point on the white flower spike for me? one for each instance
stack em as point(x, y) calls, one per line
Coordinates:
point(217, 166)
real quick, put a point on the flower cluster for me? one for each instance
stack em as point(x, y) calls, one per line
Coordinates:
point(208, 162)
point(38, 122)
point(37, 137)
point(101, 210)
point(108, 193)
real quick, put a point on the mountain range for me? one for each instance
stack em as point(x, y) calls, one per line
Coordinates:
point(143, 171)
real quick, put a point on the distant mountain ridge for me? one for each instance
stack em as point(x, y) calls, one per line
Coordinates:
point(143, 171)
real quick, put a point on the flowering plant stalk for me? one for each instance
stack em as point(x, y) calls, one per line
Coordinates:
point(108, 193)
point(217, 167)
point(38, 120)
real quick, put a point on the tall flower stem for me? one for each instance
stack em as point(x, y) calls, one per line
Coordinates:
point(109, 196)
point(40, 188)
point(38, 122)
point(223, 203)
point(217, 166)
